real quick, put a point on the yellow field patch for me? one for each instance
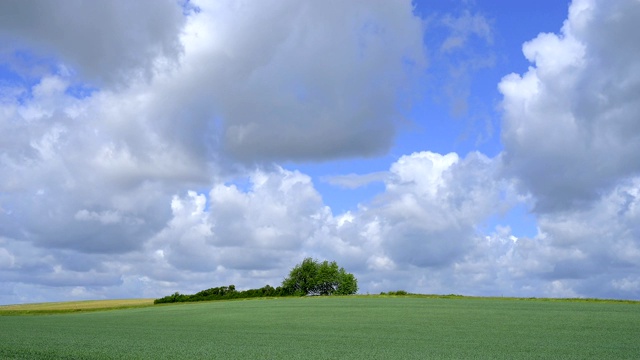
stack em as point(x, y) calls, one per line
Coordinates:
point(72, 306)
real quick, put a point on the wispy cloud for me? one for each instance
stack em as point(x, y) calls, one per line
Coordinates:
point(353, 181)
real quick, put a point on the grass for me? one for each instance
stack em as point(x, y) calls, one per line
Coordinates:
point(357, 327)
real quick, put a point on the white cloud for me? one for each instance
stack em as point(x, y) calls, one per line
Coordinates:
point(332, 70)
point(603, 238)
point(570, 132)
point(252, 236)
point(257, 229)
point(322, 82)
point(425, 221)
point(96, 191)
point(570, 125)
point(421, 173)
point(7, 260)
point(171, 96)
point(433, 204)
point(630, 283)
point(423, 234)
point(104, 42)
point(354, 181)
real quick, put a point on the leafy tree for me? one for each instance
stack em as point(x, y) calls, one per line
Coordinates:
point(348, 284)
point(302, 278)
point(314, 278)
point(307, 278)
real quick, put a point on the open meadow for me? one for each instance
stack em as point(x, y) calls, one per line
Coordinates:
point(352, 327)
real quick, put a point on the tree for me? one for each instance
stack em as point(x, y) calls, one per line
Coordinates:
point(302, 278)
point(348, 284)
point(313, 278)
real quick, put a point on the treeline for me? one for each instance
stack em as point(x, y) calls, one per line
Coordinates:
point(399, 292)
point(310, 277)
point(223, 293)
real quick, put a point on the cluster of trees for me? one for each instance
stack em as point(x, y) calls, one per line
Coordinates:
point(222, 293)
point(320, 278)
point(399, 292)
point(307, 278)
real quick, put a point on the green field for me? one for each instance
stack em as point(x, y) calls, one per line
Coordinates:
point(355, 327)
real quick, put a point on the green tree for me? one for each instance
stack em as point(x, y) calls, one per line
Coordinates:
point(314, 278)
point(348, 284)
point(302, 278)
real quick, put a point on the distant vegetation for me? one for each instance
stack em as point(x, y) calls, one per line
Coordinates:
point(399, 292)
point(307, 278)
point(222, 293)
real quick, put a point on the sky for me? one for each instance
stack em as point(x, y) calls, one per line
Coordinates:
point(482, 148)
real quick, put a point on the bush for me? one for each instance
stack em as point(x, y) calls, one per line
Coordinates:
point(399, 292)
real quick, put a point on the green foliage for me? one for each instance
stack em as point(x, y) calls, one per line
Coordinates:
point(302, 278)
point(354, 327)
point(319, 278)
point(399, 292)
point(222, 293)
point(308, 278)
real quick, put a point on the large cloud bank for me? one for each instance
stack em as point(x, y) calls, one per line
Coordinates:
point(571, 132)
point(141, 165)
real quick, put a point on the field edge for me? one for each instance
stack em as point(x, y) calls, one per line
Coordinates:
point(118, 304)
point(73, 306)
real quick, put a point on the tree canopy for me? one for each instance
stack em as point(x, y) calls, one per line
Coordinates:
point(307, 278)
point(319, 278)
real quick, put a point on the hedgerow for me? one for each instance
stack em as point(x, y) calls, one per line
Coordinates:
point(223, 293)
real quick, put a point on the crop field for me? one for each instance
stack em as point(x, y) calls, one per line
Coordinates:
point(73, 306)
point(354, 327)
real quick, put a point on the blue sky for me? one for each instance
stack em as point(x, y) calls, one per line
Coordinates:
point(470, 147)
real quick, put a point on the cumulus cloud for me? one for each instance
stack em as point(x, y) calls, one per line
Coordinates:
point(258, 229)
point(432, 207)
point(102, 165)
point(103, 41)
point(71, 180)
point(424, 233)
point(582, 253)
point(570, 130)
point(570, 126)
point(596, 247)
point(134, 189)
point(323, 82)
point(425, 221)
